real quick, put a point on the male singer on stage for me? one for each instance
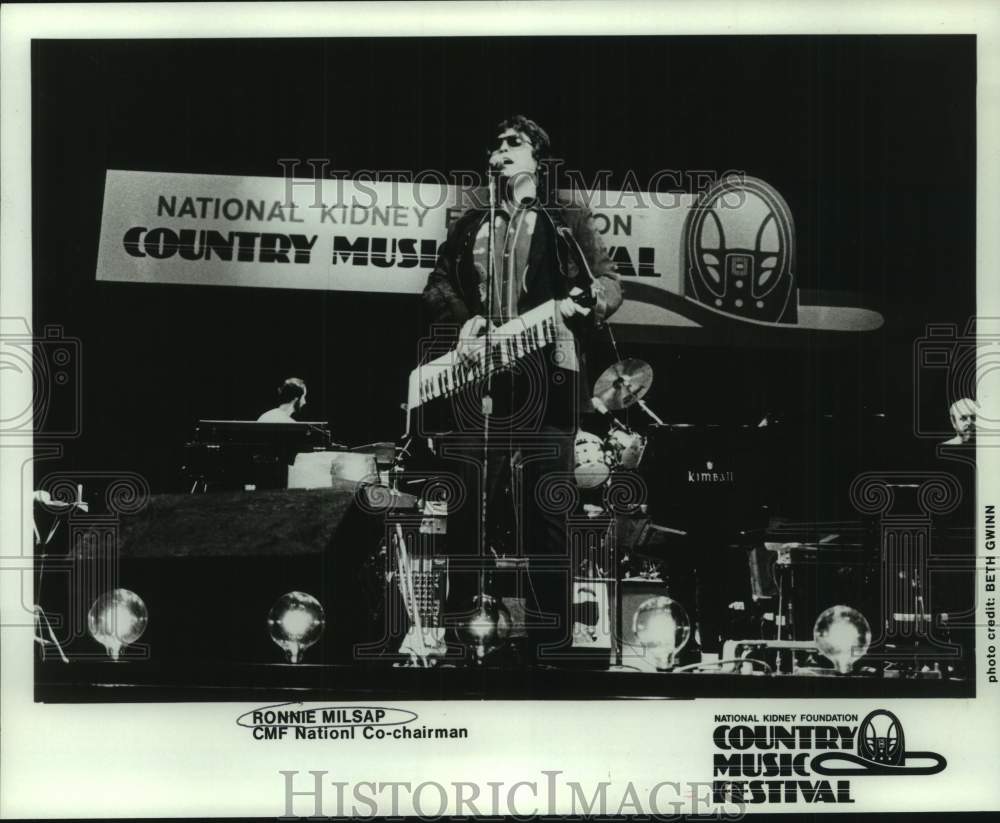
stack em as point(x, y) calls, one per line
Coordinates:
point(545, 248)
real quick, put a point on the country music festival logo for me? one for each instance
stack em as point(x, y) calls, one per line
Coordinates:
point(773, 761)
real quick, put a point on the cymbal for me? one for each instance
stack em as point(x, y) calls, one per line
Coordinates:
point(622, 384)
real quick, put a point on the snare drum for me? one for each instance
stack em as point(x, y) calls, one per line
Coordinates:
point(591, 462)
point(625, 448)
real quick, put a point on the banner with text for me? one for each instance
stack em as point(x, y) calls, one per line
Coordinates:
point(383, 236)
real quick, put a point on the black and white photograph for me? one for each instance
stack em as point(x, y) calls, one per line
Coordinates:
point(396, 385)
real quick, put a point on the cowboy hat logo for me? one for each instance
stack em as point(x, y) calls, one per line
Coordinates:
point(740, 255)
point(881, 751)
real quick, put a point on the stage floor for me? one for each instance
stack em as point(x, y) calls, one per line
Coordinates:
point(142, 681)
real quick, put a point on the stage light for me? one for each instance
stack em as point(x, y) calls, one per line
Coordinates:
point(116, 619)
point(842, 635)
point(487, 628)
point(295, 622)
point(662, 626)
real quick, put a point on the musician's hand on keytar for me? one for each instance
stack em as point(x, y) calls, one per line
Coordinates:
point(469, 338)
point(568, 307)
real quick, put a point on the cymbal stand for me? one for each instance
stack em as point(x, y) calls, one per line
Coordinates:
point(611, 338)
point(642, 405)
point(784, 604)
point(618, 358)
point(41, 551)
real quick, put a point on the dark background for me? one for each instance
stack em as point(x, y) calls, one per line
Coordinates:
point(871, 140)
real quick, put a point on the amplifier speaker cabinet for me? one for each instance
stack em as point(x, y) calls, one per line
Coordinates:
point(209, 567)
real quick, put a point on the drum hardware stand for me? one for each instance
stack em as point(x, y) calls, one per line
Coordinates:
point(611, 334)
point(325, 435)
point(619, 635)
point(37, 611)
point(410, 597)
point(656, 419)
point(401, 453)
point(614, 347)
point(619, 387)
point(607, 551)
point(780, 619)
point(615, 425)
point(618, 358)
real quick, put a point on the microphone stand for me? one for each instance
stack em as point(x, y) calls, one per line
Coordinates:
point(325, 434)
point(487, 399)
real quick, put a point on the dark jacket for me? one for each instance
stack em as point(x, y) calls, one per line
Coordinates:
point(451, 295)
point(563, 241)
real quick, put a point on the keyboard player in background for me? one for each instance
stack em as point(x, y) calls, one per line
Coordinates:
point(962, 414)
point(545, 249)
point(291, 399)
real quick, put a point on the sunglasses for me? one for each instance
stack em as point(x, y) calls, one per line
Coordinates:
point(512, 141)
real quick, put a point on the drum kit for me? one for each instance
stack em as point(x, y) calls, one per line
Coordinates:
point(620, 386)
